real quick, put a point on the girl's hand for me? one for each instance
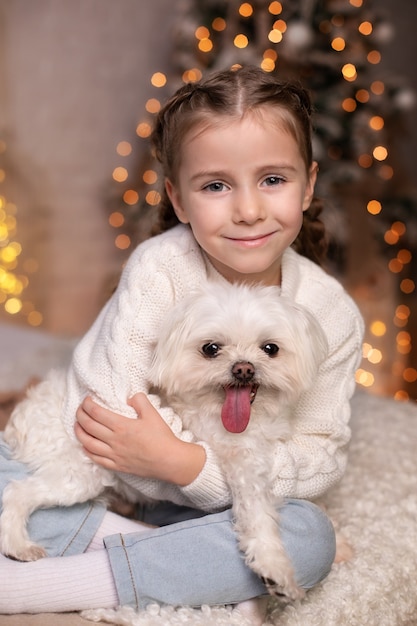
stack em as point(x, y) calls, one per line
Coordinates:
point(146, 446)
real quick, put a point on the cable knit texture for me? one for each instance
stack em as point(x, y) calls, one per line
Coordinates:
point(112, 360)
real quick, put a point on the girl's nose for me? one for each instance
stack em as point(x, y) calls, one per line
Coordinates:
point(248, 207)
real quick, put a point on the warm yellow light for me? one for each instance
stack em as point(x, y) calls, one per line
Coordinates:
point(349, 72)
point(407, 285)
point(202, 33)
point(338, 44)
point(120, 174)
point(374, 356)
point(376, 122)
point(153, 105)
point(349, 105)
point(116, 219)
point(241, 41)
point(404, 256)
point(191, 76)
point(130, 197)
point(270, 54)
point(153, 198)
point(275, 36)
point(366, 347)
point(395, 266)
point(219, 24)
point(356, 3)
point(374, 57)
point(280, 25)
point(123, 148)
point(391, 237)
point(410, 375)
point(365, 28)
point(399, 228)
point(403, 338)
point(150, 177)
point(380, 153)
point(122, 242)
point(374, 207)
point(35, 318)
point(13, 306)
point(245, 9)
point(364, 378)
point(275, 8)
point(402, 312)
point(365, 160)
point(378, 328)
point(362, 95)
point(268, 65)
point(158, 79)
point(378, 87)
point(205, 45)
point(143, 129)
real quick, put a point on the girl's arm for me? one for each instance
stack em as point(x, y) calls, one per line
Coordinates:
point(145, 447)
point(315, 457)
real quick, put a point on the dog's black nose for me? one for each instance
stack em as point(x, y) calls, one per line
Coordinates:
point(243, 371)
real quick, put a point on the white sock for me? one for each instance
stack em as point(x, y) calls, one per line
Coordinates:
point(111, 525)
point(72, 583)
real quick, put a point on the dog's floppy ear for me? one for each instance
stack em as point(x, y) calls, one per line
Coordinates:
point(312, 343)
point(167, 355)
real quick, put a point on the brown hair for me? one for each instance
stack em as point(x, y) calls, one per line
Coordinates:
point(235, 93)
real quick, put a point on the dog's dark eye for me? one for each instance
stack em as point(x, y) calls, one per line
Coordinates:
point(211, 350)
point(271, 349)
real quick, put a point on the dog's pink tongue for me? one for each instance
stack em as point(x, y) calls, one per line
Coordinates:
point(236, 409)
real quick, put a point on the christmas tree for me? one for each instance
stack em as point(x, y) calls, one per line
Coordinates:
point(334, 48)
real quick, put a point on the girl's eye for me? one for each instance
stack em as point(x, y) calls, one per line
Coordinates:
point(211, 350)
point(216, 186)
point(271, 349)
point(273, 180)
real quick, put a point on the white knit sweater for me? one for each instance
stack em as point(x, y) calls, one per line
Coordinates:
point(112, 360)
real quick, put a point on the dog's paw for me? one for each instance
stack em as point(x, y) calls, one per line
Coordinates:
point(26, 552)
point(273, 566)
point(285, 590)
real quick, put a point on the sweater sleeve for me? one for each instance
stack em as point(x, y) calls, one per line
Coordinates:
point(315, 457)
point(111, 362)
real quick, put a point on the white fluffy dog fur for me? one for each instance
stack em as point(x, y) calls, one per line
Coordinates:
point(231, 361)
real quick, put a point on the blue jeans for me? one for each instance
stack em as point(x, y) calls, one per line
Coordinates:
point(192, 562)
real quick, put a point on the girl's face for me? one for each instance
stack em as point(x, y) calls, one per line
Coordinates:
point(242, 186)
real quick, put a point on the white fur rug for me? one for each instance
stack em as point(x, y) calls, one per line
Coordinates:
point(375, 506)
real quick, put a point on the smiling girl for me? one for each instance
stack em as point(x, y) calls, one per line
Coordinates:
point(237, 206)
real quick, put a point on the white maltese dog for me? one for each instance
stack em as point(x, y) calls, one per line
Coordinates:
point(232, 361)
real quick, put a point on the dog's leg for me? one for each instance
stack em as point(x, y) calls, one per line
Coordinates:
point(257, 524)
point(20, 499)
point(41, 490)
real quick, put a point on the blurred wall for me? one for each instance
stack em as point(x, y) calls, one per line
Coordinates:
point(75, 75)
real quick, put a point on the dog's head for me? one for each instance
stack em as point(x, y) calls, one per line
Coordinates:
point(232, 343)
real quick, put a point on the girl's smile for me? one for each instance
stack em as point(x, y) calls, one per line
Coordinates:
point(242, 186)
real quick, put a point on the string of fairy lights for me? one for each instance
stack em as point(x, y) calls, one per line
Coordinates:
point(14, 276)
point(269, 33)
